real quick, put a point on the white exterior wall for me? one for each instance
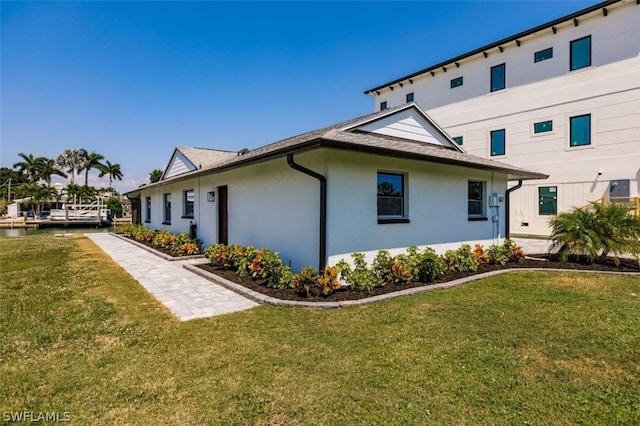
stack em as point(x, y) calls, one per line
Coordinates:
point(272, 205)
point(269, 205)
point(609, 90)
point(436, 205)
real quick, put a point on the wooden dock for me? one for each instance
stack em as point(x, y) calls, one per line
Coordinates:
point(16, 223)
point(20, 223)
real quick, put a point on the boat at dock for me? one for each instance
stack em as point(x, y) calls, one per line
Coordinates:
point(95, 214)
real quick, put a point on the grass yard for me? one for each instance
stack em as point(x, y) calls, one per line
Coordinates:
point(79, 335)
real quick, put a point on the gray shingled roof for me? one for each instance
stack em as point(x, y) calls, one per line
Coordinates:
point(335, 137)
point(205, 157)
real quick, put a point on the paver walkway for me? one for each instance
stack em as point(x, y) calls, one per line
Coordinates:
point(186, 294)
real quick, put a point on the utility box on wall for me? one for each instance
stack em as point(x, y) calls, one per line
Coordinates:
point(619, 190)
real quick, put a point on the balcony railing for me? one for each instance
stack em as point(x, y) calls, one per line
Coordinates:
point(632, 203)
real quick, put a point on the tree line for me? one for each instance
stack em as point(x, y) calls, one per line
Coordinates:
point(27, 175)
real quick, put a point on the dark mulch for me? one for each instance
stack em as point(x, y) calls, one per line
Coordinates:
point(626, 265)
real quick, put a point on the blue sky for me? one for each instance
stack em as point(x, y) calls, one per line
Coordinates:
point(132, 80)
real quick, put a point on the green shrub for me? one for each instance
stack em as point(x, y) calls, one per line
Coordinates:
point(400, 270)
point(480, 254)
point(144, 234)
point(360, 278)
point(265, 263)
point(218, 255)
point(498, 254)
point(430, 266)
point(381, 266)
point(516, 254)
point(164, 239)
point(125, 229)
point(328, 280)
point(461, 260)
point(309, 283)
point(245, 261)
point(115, 206)
point(179, 241)
point(596, 231)
point(280, 277)
point(305, 280)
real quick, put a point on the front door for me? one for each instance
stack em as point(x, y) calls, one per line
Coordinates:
point(223, 216)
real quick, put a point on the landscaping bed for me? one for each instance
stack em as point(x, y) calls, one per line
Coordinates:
point(343, 294)
point(166, 242)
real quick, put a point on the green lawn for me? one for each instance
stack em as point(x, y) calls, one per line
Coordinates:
point(79, 335)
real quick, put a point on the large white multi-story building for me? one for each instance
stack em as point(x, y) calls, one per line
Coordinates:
point(562, 99)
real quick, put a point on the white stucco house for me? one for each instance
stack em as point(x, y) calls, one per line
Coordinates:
point(562, 98)
point(387, 180)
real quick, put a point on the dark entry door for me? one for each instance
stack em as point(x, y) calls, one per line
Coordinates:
point(223, 215)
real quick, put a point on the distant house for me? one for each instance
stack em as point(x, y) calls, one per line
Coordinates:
point(562, 98)
point(387, 180)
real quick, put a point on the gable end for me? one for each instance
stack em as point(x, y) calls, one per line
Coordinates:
point(178, 165)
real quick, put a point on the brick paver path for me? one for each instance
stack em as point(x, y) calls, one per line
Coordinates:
point(186, 294)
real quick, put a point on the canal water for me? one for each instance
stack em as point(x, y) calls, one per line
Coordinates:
point(5, 232)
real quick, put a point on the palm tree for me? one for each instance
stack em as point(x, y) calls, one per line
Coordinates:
point(71, 160)
point(111, 170)
point(91, 161)
point(29, 166)
point(596, 231)
point(39, 195)
point(48, 167)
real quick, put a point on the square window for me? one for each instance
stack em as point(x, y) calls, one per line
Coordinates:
point(147, 214)
point(580, 53)
point(498, 142)
point(410, 97)
point(543, 126)
point(547, 200)
point(458, 140)
point(456, 82)
point(391, 203)
point(580, 130)
point(476, 199)
point(498, 77)
point(543, 55)
point(383, 105)
point(189, 199)
point(166, 199)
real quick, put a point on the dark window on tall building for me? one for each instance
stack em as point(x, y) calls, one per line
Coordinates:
point(580, 53)
point(498, 77)
point(580, 130)
point(456, 82)
point(498, 142)
point(543, 126)
point(543, 55)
